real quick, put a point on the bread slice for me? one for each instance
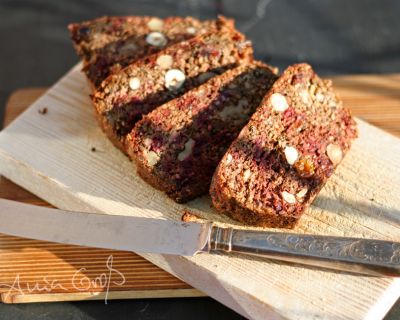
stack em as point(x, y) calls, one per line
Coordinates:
point(123, 98)
point(108, 44)
point(178, 145)
point(281, 159)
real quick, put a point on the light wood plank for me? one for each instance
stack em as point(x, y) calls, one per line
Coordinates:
point(50, 156)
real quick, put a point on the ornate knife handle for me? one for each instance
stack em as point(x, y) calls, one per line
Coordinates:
point(364, 256)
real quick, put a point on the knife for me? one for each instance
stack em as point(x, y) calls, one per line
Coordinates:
point(148, 235)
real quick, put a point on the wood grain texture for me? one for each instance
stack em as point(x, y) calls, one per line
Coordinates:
point(32, 271)
point(50, 156)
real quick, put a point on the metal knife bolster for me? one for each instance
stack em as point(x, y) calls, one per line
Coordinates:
point(363, 256)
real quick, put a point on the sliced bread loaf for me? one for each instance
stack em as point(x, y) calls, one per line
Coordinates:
point(123, 98)
point(177, 146)
point(108, 44)
point(281, 159)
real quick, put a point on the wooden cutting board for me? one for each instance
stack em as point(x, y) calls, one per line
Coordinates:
point(38, 271)
point(50, 155)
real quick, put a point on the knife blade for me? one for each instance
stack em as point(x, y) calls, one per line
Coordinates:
point(101, 230)
point(148, 235)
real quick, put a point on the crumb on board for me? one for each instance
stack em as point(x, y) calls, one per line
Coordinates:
point(94, 149)
point(188, 216)
point(43, 110)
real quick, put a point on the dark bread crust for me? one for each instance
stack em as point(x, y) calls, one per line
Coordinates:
point(108, 44)
point(121, 107)
point(282, 158)
point(177, 146)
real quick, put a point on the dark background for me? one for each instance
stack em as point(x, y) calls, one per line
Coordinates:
point(335, 36)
